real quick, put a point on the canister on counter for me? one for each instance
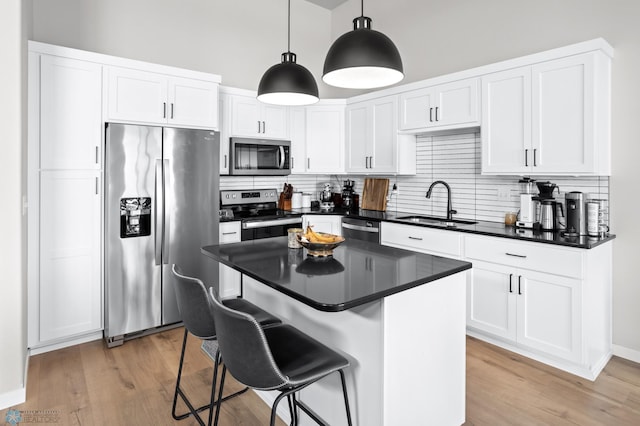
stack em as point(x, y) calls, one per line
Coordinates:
point(292, 238)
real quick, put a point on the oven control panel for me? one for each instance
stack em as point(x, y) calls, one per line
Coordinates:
point(248, 196)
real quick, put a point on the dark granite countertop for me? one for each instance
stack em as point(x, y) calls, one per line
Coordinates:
point(357, 273)
point(493, 229)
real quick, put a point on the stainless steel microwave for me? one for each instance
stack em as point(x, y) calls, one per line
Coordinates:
point(259, 157)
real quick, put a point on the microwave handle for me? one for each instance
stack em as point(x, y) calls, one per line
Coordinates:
point(282, 158)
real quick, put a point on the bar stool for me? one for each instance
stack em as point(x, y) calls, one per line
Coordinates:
point(278, 358)
point(195, 307)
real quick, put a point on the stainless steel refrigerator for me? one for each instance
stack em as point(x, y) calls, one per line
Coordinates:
point(162, 203)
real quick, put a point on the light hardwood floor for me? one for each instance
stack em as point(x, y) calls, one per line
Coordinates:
point(133, 385)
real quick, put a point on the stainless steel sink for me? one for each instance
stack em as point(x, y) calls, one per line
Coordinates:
point(433, 220)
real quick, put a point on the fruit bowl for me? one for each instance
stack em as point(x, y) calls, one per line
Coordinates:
point(319, 249)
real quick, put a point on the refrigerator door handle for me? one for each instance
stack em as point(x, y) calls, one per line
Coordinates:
point(158, 213)
point(166, 213)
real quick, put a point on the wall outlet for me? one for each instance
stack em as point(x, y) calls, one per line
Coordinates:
point(503, 194)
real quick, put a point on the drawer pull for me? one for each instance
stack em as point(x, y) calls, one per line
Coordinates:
point(415, 238)
point(516, 255)
point(230, 233)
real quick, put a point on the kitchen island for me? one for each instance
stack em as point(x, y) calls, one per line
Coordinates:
point(397, 315)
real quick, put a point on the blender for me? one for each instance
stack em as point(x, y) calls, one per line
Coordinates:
point(528, 201)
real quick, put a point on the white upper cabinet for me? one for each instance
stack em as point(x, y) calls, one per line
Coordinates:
point(148, 97)
point(298, 136)
point(506, 121)
point(252, 118)
point(372, 143)
point(445, 106)
point(70, 113)
point(325, 139)
point(550, 118)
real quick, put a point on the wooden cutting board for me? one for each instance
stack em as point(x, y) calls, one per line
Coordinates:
point(374, 194)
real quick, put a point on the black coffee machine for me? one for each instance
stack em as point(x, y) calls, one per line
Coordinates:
point(550, 210)
point(347, 194)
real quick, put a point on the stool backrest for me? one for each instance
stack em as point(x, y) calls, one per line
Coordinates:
point(194, 305)
point(244, 348)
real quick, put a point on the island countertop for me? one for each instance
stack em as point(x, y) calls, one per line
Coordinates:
point(358, 272)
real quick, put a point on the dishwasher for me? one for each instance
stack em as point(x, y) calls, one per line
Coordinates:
point(361, 229)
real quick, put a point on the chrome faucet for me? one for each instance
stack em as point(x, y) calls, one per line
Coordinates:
point(450, 210)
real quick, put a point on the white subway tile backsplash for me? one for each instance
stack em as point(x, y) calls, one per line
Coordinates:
point(454, 159)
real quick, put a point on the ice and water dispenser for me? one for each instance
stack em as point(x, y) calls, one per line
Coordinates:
point(135, 217)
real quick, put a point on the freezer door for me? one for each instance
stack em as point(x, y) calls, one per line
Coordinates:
point(132, 213)
point(191, 209)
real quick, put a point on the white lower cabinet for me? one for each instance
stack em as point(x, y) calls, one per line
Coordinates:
point(536, 310)
point(550, 303)
point(424, 240)
point(70, 289)
point(230, 280)
point(329, 224)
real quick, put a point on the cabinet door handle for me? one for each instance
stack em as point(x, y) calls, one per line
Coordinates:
point(371, 162)
point(526, 158)
point(171, 110)
point(522, 256)
point(415, 238)
point(534, 157)
point(164, 110)
point(431, 115)
point(292, 163)
point(264, 127)
point(437, 119)
point(510, 278)
point(519, 284)
point(259, 128)
point(225, 161)
point(97, 185)
point(308, 163)
point(97, 154)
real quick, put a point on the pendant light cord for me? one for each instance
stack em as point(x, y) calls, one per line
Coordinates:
point(361, 7)
point(289, 28)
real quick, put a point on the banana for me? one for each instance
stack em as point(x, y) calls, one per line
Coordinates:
point(316, 237)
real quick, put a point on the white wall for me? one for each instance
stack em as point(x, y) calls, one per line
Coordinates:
point(237, 39)
point(13, 323)
point(440, 37)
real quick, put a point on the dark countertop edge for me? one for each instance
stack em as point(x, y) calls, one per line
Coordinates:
point(325, 307)
point(469, 229)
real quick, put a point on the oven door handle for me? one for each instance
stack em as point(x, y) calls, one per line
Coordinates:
point(266, 223)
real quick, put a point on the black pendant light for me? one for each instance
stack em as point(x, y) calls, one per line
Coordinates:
point(288, 83)
point(362, 58)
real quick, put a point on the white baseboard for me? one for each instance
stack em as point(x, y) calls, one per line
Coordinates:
point(72, 342)
point(13, 398)
point(269, 397)
point(626, 353)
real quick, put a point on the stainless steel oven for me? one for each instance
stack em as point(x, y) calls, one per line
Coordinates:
point(258, 213)
point(259, 157)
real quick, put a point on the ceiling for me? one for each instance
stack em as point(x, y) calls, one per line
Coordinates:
point(328, 4)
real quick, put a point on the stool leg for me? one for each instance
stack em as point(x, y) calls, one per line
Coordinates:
point(346, 399)
point(178, 391)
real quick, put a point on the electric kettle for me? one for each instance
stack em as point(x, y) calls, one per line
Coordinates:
point(549, 217)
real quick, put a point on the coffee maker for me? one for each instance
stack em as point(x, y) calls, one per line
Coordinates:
point(576, 217)
point(347, 193)
point(528, 204)
point(550, 210)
